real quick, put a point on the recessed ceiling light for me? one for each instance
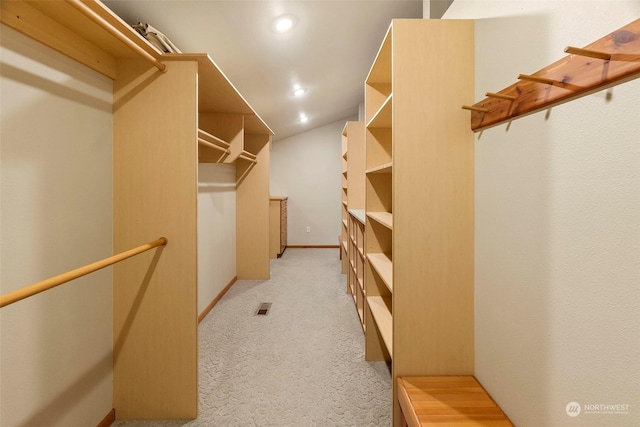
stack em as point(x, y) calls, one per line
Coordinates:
point(303, 118)
point(299, 91)
point(284, 23)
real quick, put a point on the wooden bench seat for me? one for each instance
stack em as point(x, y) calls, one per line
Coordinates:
point(448, 401)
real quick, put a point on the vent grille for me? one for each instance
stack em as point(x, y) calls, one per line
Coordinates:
point(263, 309)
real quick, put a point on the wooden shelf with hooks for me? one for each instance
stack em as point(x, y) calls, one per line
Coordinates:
point(610, 60)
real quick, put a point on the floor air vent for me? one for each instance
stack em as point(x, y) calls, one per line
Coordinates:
point(263, 309)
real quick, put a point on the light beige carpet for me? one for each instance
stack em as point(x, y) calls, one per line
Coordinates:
point(301, 365)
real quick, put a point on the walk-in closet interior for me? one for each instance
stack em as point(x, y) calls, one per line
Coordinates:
point(464, 172)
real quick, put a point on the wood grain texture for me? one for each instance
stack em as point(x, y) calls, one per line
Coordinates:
point(433, 185)
point(217, 94)
point(155, 179)
point(252, 214)
point(29, 20)
point(572, 76)
point(109, 419)
point(429, 192)
point(229, 128)
point(448, 400)
point(355, 165)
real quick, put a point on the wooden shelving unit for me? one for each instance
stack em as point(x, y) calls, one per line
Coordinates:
point(611, 60)
point(355, 278)
point(353, 212)
point(419, 201)
point(344, 230)
point(169, 112)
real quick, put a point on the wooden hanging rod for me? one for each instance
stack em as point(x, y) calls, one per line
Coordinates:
point(249, 154)
point(587, 52)
point(36, 288)
point(214, 146)
point(472, 108)
point(500, 96)
point(89, 13)
point(247, 158)
point(543, 80)
point(213, 139)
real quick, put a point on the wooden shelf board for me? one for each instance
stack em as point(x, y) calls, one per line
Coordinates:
point(384, 218)
point(574, 76)
point(380, 71)
point(344, 222)
point(216, 93)
point(385, 168)
point(384, 320)
point(382, 117)
point(65, 29)
point(358, 214)
point(383, 266)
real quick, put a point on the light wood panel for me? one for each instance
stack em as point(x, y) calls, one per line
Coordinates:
point(353, 209)
point(433, 138)
point(383, 267)
point(155, 193)
point(228, 127)
point(355, 165)
point(384, 218)
point(383, 319)
point(217, 94)
point(344, 215)
point(382, 117)
point(252, 214)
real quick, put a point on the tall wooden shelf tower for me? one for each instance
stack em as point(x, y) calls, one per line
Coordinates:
point(353, 212)
point(419, 201)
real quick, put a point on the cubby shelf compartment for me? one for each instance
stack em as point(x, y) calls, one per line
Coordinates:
point(384, 218)
point(611, 60)
point(379, 307)
point(382, 265)
point(382, 118)
point(385, 168)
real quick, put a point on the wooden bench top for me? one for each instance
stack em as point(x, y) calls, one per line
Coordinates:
point(448, 401)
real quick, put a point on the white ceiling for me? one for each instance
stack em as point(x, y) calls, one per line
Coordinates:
point(329, 51)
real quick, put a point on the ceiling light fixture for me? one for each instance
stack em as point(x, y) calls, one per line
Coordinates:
point(299, 91)
point(283, 23)
point(303, 118)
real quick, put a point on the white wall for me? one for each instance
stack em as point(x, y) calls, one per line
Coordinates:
point(307, 168)
point(557, 224)
point(55, 215)
point(216, 230)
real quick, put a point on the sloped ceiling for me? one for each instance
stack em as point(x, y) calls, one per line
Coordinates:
point(329, 50)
